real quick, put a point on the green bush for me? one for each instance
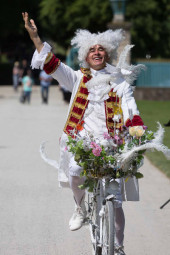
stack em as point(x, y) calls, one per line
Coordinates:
point(6, 73)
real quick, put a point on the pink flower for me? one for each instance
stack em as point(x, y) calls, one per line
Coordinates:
point(116, 137)
point(65, 149)
point(120, 141)
point(96, 151)
point(106, 135)
point(93, 145)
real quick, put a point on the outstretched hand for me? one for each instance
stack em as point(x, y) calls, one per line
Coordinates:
point(33, 31)
point(30, 25)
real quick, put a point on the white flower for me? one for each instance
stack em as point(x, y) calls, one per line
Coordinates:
point(117, 131)
point(104, 142)
point(136, 131)
point(86, 147)
point(111, 143)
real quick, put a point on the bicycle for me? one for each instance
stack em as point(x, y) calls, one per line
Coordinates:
point(101, 216)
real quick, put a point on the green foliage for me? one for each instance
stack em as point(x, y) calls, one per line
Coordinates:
point(138, 175)
point(61, 19)
point(150, 27)
point(13, 25)
point(15, 41)
point(150, 22)
point(89, 184)
point(106, 162)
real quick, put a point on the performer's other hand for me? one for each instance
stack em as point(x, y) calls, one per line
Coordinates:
point(30, 25)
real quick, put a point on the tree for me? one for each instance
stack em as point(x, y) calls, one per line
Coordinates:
point(61, 19)
point(14, 38)
point(150, 19)
point(151, 27)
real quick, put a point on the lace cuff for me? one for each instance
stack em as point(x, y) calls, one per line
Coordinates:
point(38, 59)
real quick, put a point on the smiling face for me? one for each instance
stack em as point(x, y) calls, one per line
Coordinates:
point(97, 57)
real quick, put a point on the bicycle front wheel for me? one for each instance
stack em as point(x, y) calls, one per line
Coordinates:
point(94, 225)
point(108, 230)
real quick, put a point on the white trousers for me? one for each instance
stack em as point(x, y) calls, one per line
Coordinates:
point(75, 180)
point(75, 170)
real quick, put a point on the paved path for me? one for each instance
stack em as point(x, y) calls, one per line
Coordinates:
point(34, 212)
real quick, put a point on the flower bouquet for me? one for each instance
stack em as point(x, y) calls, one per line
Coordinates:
point(118, 156)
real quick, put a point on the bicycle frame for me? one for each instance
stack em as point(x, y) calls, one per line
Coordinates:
point(104, 191)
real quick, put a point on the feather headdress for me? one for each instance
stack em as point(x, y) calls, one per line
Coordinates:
point(109, 39)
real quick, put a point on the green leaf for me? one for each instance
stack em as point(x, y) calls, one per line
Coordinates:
point(117, 175)
point(139, 175)
point(83, 186)
point(77, 157)
point(141, 152)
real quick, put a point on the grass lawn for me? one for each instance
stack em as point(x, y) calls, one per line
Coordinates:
point(152, 112)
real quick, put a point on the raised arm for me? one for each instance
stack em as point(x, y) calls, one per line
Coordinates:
point(43, 58)
point(33, 31)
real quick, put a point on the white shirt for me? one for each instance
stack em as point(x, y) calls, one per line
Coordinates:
point(95, 116)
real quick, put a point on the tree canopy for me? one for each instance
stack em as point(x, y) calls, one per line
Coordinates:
point(14, 38)
point(150, 27)
point(150, 22)
point(60, 19)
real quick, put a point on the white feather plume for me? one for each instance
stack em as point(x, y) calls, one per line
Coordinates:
point(123, 56)
point(134, 70)
point(49, 161)
point(159, 134)
point(156, 144)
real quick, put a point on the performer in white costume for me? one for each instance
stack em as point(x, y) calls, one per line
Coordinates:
point(101, 94)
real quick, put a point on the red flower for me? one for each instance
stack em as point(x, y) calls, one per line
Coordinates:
point(128, 123)
point(136, 121)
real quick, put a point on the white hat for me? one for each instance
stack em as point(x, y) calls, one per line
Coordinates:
point(109, 39)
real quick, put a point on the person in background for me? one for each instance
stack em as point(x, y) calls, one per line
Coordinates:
point(45, 82)
point(66, 94)
point(23, 69)
point(15, 75)
point(27, 83)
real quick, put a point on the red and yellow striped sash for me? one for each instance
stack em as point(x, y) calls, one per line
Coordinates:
point(79, 105)
point(112, 108)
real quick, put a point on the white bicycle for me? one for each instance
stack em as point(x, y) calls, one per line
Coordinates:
point(101, 216)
